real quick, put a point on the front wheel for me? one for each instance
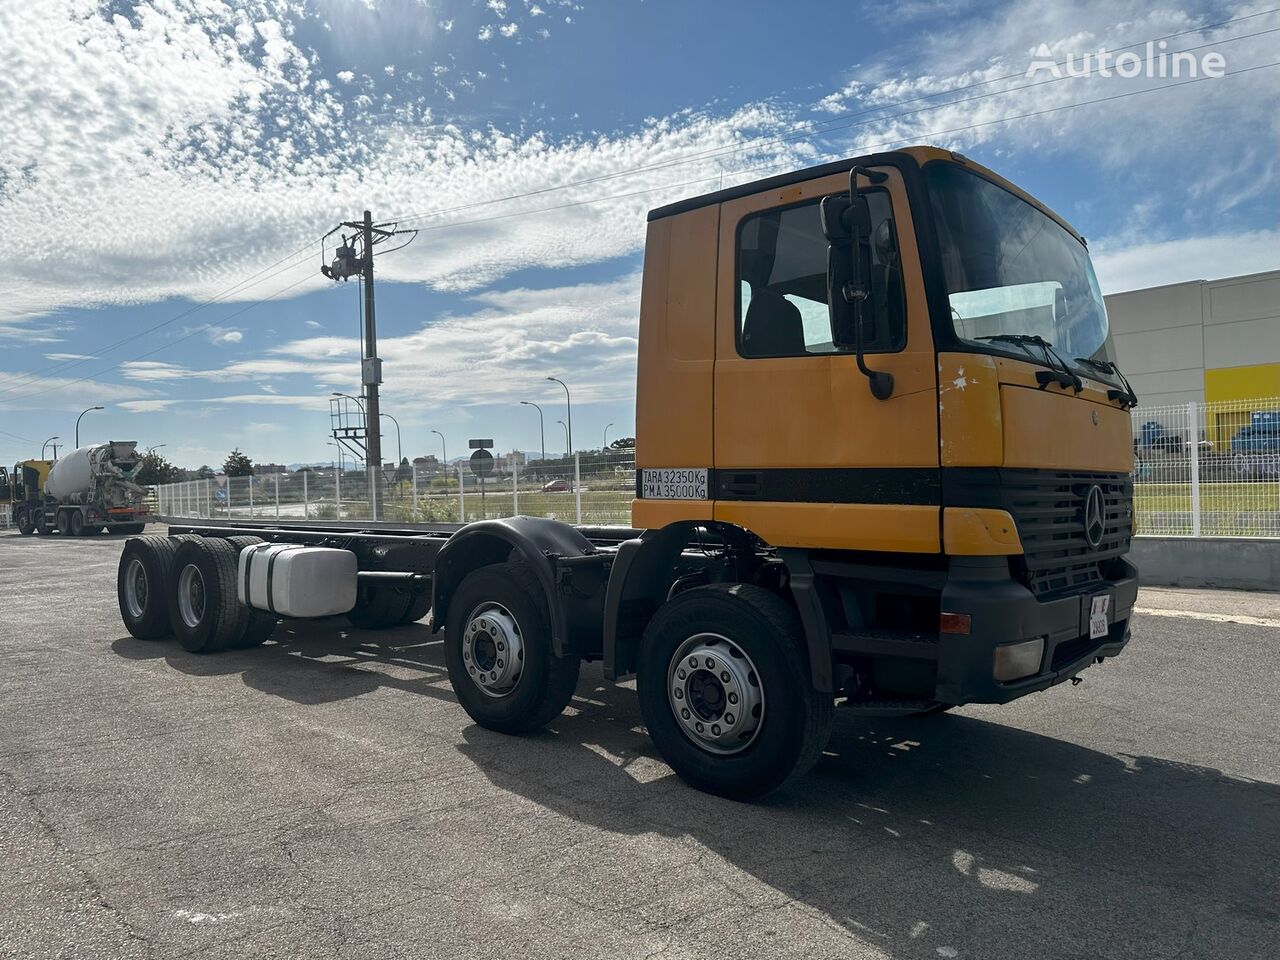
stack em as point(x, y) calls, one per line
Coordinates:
point(498, 650)
point(724, 689)
point(26, 525)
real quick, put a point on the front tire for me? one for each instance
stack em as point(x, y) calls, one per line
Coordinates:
point(724, 689)
point(499, 654)
point(26, 526)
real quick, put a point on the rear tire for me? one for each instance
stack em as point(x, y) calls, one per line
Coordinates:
point(63, 522)
point(38, 521)
point(75, 523)
point(144, 581)
point(753, 638)
point(379, 606)
point(204, 611)
point(536, 686)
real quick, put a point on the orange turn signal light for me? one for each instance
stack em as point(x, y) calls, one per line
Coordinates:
point(954, 623)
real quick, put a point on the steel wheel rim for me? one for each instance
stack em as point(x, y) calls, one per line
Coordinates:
point(493, 649)
point(191, 595)
point(136, 588)
point(715, 694)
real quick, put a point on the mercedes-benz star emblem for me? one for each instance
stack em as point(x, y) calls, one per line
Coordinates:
point(1094, 517)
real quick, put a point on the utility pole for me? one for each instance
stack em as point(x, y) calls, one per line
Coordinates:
point(344, 266)
point(371, 372)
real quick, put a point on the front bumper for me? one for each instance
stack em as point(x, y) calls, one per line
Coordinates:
point(1001, 611)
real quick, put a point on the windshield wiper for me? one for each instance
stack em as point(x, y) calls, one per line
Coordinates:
point(1126, 397)
point(1065, 378)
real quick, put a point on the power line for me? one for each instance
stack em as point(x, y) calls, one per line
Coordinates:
point(251, 280)
point(164, 346)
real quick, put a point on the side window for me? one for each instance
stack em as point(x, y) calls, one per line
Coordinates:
point(782, 283)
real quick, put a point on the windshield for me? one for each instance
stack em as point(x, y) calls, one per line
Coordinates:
point(1010, 269)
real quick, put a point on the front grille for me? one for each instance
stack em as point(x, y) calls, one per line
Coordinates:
point(1048, 508)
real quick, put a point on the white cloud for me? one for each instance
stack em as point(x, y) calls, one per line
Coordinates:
point(486, 32)
point(445, 25)
point(223, 337)
point(509, 29)
point(1210, 257)
point(498, 6)
point(346, 76)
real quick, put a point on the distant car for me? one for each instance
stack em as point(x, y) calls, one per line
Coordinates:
point(557, 486)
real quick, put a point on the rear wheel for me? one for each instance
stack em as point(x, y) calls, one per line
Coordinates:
point(63, 522)
point(498, 651)
point(75, 522)
point(725, 692)
point(205, 614)
point(143, 583)
point(38, 521)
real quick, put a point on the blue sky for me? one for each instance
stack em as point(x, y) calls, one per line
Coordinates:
point(181, 151)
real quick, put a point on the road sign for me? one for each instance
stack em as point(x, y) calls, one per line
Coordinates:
point(482, 463)
point(480, 444)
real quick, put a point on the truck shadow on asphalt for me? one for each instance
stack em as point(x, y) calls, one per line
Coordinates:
point(920, 837)
point(943, 836)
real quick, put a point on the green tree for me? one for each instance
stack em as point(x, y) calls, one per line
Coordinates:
point(624, 443)
point(237, 464)
point(156, 469)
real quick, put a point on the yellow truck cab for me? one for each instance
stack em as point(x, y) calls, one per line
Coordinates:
point(22, 492)
point(896, 372)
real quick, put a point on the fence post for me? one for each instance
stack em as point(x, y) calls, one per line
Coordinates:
point(462, 497)
point(306, 500)
point(337, 484)
point(515, 489)
point(577, 484)
point(1193, 428)
point(414, 470)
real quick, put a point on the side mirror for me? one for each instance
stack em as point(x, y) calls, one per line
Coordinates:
point(846, 223)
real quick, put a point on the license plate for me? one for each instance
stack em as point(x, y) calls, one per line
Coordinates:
point(1098, 609)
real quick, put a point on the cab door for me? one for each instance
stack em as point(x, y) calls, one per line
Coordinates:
point(804, 455)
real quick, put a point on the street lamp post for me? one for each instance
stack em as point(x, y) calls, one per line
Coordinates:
point(155, 446)
point(45, 446)
point(567, 441)
point(78, 423)
point(606, 435)
point(399, 448)
point(568, 407)
point(444, 451)
point(542, 434)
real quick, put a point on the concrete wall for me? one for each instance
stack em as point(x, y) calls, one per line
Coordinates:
point(1167, 337)
point(1207, 562)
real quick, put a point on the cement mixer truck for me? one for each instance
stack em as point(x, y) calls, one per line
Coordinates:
point(91, 490)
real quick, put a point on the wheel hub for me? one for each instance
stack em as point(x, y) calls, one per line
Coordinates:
point(493, 649)
point(715, 693)
point(135, 588)
point(191, 595)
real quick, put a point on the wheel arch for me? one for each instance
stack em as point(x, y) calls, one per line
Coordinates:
point(539, 542)
point(644, 571)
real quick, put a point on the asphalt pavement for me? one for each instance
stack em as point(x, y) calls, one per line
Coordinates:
point(325, 796)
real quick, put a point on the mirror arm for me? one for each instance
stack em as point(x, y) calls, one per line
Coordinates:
point(880, 381)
